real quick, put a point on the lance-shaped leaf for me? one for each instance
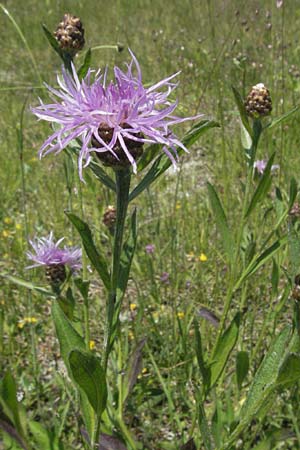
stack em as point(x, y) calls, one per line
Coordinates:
point(9, 403)
point(87, 372)
point(9, 429)
point(204, 370)
point(162, 163)
point(52, 41)
point(223, 349)
point(221, 222)
point(294, 250)
point(261, 259)
point(83, 70)
point(242, 367)
point(263, 383)
point(290, 370)
point(96, 259)
point(293, 192)
point(28, 285)
point(134, 367)
point(282, 118)
point(262, 188)
point(242, 110)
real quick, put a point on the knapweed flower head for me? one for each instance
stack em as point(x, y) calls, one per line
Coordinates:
point(150, 249)
point(54, 258)
point(261, 164)
point(258, 103)
point(112, 119)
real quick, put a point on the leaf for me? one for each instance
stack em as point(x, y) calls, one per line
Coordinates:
point(205, 372)
point(148, 156)
point(28, 285)
point(241, 107)
point(83, 70)
point(245, 138)
point(282, 118)
point(293, 192)
point(294, 250)
point(221, 221)
point(262, 188)
point(223, 349)
point(40, 435)
point(96, 259)
point(134, 367)
point(203, 425)
point(261, 260)
point(242, 367)
point(189, 445)
point(108, 442)
point(67, 304)
point(83, 287)
point(290, 370)
point(265, 377)
point(8, 428)
point(52, 41)
point(69, 339)
point(162, 163)
point(8, 399)
point(89, 375)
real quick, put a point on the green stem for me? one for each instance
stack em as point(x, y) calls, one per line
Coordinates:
point(257, 130)
point(122, 184)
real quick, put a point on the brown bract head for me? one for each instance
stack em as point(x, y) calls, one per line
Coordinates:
point(70, 34)
point(56, 274)
point(135, 148)
point(258, 102)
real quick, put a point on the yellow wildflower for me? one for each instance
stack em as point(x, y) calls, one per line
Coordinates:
point(130, 335)
point(178, 205)
point(5, 233)
point(180, 315)
point(132, 306)
point(7, 220)
point(203, 257)
point(18, 226)
point(92, 345)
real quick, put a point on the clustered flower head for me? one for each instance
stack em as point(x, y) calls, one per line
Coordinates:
point(70, 34)
point(258, 102)
point(49, 254)
point(112, 119)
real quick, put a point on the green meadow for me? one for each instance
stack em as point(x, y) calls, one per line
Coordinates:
point(210, 321)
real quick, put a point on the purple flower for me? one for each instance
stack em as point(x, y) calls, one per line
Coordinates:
point(260, 166)
point(150, 248)
point(48, 253)
point(165, 278)
point(109, 115)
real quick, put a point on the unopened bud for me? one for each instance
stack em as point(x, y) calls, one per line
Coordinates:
point(258, 102)
point(70, 34)
point(109, 218)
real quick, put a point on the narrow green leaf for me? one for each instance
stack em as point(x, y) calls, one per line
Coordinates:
point(293, 192)
point(134, 367)
point(282, 118)
point(245, 138)
point(148, 156)
point(221, 222)
point(263, 384)
point(96, 259)
point(242, 367)
point(67, 304)
point(83, 70)
point(203, 425)
point(52, 41)
point(290, 370)
point(261, 260)
point(88, 415)
point(294, 250)
point(223, 349)
point(83, 287)
point(102, 176)
point(241, 107)
point(9, 402)
point(266, 375)
point(162, 163)
point(263, 186)
point(205, 372)
point(40, 435)
point(89, 375)
point(69, 339)
point(27, 285)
